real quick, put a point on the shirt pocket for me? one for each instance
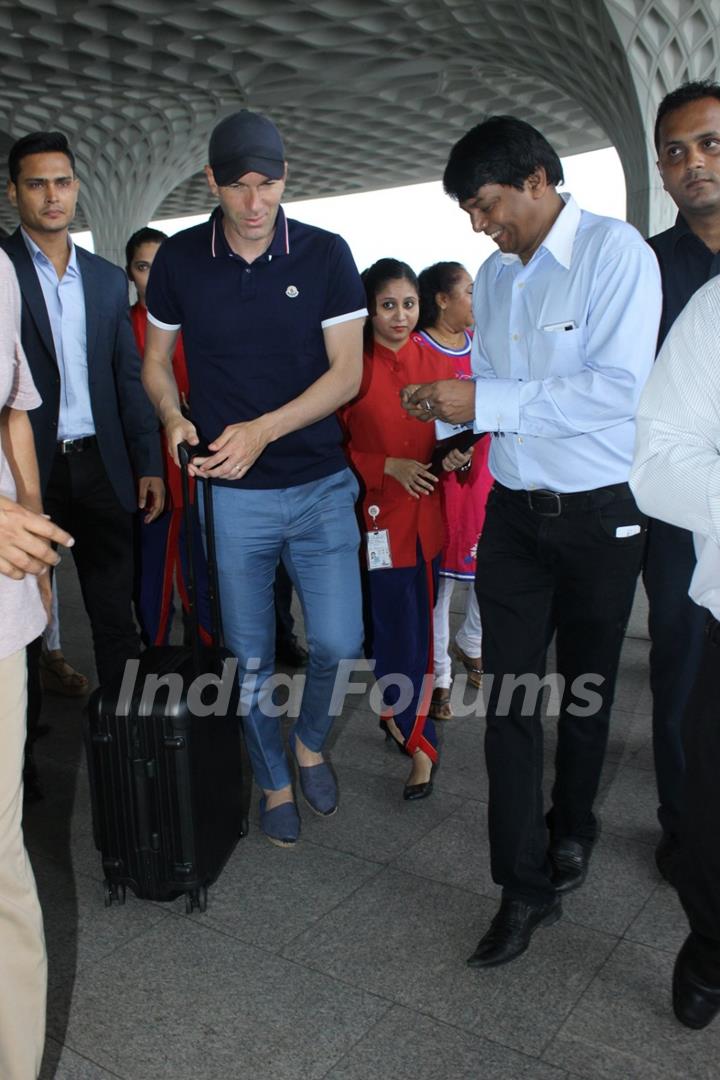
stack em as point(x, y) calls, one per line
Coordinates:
point(558, 352)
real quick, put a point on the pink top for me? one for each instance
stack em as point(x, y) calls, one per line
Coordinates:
point(463, 494)
point(22, 616)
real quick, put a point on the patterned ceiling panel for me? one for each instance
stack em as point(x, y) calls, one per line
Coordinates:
point(367, 93)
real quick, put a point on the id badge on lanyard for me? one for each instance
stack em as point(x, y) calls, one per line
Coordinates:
point(378, 544)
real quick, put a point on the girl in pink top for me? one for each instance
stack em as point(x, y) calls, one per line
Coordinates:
point(445, 316)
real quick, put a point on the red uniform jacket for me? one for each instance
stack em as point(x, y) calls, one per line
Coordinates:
point(138, 317)
point(377, 427)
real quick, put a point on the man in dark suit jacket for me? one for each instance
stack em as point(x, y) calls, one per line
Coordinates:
point(95, 430)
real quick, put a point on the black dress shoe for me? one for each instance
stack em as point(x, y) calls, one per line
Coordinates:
point(511, 929)
point(290, 653)
point(569, 860)
point(667, 854)
point(417, 791)
point(695, 1002)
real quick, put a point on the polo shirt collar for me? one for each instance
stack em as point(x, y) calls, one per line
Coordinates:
point(560, 239)
point(681, 230)
point(38, 255)
point(279, 245)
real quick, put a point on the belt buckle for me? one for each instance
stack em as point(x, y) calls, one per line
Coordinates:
point(556, 512)
point(71, 446)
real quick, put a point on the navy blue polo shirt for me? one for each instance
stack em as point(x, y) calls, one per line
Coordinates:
point(253, 334)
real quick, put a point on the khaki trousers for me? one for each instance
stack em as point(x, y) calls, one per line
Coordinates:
point(23, 963)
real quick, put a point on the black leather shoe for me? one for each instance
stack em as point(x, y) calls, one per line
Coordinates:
point(666, 858)
point(569, 860)
point(695, 1003)
point(511, 929)
point(290, 653)
point(412, 792)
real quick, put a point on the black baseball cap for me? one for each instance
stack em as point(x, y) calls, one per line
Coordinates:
point(246, 142)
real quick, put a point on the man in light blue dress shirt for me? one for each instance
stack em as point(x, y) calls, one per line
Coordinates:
point(566, 316)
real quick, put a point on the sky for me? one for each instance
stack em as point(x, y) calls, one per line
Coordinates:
point(421, 225)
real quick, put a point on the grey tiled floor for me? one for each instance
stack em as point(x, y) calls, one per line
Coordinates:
point(344, 959)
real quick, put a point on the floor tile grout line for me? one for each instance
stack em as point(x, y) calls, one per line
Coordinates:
point(392, 862)
point(373, 877)
point(111, 952)
point(496, 897)
point(90, 1061)
point(583, 993)
point(361, 1038)
point(466, 1032)
point(659, 887)
point(580, 996)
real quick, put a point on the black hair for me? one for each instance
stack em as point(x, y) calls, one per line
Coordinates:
point(501, 150)
point(441, 277)
point(377, 275)
point(38, 142)
point(689, 91)
point(146, 235)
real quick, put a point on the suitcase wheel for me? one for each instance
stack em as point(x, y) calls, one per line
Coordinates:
point(244, 827)
point(196, 899)
point(114, 891)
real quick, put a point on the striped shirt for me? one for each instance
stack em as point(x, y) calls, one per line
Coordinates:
point(676, 473)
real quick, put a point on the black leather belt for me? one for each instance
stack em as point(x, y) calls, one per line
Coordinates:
point(76, 446)
point(712, 629)
point(554, 503)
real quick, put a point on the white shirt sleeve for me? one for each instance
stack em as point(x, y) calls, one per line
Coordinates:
point(676, 471)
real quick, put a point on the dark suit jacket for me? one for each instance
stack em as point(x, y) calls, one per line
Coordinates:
point(125, 422)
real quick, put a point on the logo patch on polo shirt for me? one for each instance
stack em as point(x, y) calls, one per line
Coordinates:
point(292, 292)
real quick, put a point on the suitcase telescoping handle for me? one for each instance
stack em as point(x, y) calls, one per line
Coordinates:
point(185, 454)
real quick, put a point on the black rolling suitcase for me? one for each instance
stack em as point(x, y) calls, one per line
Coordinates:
point(169, 784)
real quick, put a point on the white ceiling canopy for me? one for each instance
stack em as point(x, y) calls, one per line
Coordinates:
point(367, 93)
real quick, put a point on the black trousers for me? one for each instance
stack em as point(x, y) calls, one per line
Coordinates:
point(699, 867)
point(573, 576)
point(80, 498)
point(676, 626)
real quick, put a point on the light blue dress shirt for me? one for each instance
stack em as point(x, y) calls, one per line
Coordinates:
point(561, 351)
point(65, 303)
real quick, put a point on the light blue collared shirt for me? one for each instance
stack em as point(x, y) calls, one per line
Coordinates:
point(65, 303)
point(561, 351)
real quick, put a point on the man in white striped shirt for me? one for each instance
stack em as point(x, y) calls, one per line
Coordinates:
point(676, 477)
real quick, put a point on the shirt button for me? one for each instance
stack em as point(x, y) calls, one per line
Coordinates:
point(520, 440)
point(247, 269)
point(521, 284)
point(516, 337)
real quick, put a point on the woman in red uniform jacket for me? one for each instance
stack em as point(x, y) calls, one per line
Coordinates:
point(162, 543)
point(391, 451)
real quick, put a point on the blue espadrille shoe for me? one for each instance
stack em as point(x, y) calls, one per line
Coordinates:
point(317, 784)
point(281, 825)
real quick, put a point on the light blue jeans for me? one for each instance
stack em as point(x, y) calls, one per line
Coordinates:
point(313, 529)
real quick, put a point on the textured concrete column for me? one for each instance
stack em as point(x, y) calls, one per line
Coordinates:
point(127, 177)
point(667, 43)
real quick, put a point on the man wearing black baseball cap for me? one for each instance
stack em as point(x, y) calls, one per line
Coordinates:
point(246, 142)
point(271, 312)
